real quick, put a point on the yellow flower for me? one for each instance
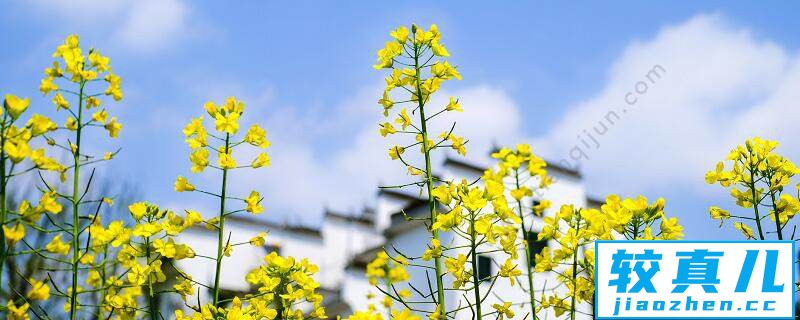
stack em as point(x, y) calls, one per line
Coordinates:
point(114, 90)
point(40, 124)
point(439, 50)
point(184, 288)
point(17, 151)
point(71, 124)
point(54, 72)
point(226, 161)
point(258, 240)
point(718, 213)
point(39, 290)
point(387, 129)
point(100, 116)
point(14, 234)
point(444, 71)
point(404, 315)
point(113, 127)
point(147, 229)
point(509, 270)
point(745, 229)
point(402, 119)
point(434, 250)
point(15, 106)
point(138, 210)
point(395, 152)
point(57, 246)
point(47, 85)
point(503, 310)
point(227, 123)
point(92, 102)
point(400, 34)
point(262, 160)
point(60, 102)
point(456, 268)
point(98, 61)
point(199, 159)
point(253, 202)
point(181, 185)
point(257, 136)
point(474, 200)
point(17, 313)
point(670, 229)
point(386, 55)
point(211, 108)
point(386, 102)
point(453, 105)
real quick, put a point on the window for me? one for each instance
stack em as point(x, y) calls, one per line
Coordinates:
point(535, 246)
point(533, 210)
point(484, 267)
point(270, 248)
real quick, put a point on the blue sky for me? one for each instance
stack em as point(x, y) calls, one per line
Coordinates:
point(304, 70)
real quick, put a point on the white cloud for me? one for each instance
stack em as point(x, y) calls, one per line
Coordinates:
point(153, 24)
point(141, 26)
point(720, 85)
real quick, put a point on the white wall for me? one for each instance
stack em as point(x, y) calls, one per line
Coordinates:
point(344, 239)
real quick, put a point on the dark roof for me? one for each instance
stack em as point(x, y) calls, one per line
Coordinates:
point(362, 259)
point(397, 194)
point(594, 202)
point(364, 218)
point(415, 211)
point(247, 219)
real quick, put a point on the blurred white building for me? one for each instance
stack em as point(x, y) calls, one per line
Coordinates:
point(346, 242)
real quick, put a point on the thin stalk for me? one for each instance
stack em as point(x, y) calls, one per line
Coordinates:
point(635, 229)
point(151, 297)
point(574, 273)
point(474, 257)
point(221, 229)
point(752, 186)
point(429, 179)
point(102, 281)
point(3, 180)
point(76, 175)
point(528, 258)
point(775, 214)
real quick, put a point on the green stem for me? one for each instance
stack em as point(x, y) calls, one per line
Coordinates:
point(221, 229)
point(3, 180)
point(102, 267)
point(474, 257)
point(775, 213)
point(429, 180)
point(151, 297)
point(574, 273)
point(76, 174)
point(528, 258)
point(752, 186)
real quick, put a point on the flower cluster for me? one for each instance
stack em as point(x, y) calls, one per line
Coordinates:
point(73, 81)
point(416, 69)
point(518, 171)
point(571, 229)
point(415, 58)
point(758, 179)
point(387, 272)
point(283, 284)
